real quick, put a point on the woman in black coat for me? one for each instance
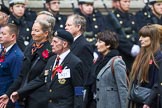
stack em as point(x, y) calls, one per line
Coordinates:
point(36, 57)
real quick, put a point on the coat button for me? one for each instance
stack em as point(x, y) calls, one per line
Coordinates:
point(50, 101)
point(50, 90)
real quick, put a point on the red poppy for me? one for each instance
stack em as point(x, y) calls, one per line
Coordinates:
point(45, 54)
point(59, 69)
point(2, 58)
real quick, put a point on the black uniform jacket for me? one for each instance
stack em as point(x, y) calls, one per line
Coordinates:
point(60, 93)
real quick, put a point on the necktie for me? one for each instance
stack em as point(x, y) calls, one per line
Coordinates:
point(56, 64)
point(2, 54)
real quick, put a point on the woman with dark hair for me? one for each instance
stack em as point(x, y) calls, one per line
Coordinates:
point(146, 66)
point(111, 84)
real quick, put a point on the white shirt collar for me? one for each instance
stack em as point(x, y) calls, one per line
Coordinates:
point(63, 55)
point(76, 37)
point(9, 47)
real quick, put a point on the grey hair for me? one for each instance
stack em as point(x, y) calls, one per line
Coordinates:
point(51, 19)
point(79, 20)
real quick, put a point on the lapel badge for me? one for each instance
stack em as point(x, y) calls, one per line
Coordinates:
point(62, 81)
point(46, 72)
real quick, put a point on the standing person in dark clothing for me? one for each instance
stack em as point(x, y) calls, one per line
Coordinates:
point(145, 68)
point(36, 57)
point(17, 8)
point(53, 6)
point(76, 25)
point(154, 16)
point(128, 27)
point(95, 20)
point(4, 14)
point(62, 76)
point(11, 58)
point(145, 12)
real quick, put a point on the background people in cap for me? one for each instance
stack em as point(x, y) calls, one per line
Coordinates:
point(36, 56)
point(17, 8)
point(145, 68)
point(127, 24)
point(4, 12)
point(95, 20)
point(53, 6)
point(62, 76)
point(11, 58)
point(153, 16)
point(76, 25)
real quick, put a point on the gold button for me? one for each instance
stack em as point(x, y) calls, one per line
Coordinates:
point(161, 84)
point(50, 90)
point(50, 101)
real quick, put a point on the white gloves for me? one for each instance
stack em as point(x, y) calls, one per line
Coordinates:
point(135, 50)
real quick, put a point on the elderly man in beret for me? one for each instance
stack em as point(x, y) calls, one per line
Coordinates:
point(63, 76)
point(4, 12)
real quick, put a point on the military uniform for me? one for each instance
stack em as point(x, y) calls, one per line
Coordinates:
point(143, 18)
point(30, 15)
point(23, 24)
point(95, 23)
point(142, 14)
point(25, 27)
point(129, 28)
point(60, 21)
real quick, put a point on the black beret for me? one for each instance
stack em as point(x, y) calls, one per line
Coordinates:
point(64, 35)
point(4, 9)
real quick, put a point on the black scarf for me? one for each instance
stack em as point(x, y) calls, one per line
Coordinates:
point(104, 60)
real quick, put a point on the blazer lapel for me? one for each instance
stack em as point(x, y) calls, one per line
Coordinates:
point(104, 69)
point(76, 42)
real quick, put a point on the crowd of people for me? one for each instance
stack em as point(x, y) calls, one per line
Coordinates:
point(82, 60)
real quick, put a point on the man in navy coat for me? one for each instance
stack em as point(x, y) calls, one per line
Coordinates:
point(11, 57)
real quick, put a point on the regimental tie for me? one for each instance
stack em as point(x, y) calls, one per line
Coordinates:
point(2, 54)
point(54, 70)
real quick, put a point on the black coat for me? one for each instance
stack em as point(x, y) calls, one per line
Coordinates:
point(59, 94)
point(60, 21)
point(82, 49)
point(24, 27)
point(33, 66)
point(146, 16)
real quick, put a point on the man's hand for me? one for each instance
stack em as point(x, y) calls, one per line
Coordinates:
point(3, 101)
point(14, 97)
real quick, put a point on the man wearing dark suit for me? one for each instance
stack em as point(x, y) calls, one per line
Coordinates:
point(62, 77)
point(76, 25)
point(11, 58)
